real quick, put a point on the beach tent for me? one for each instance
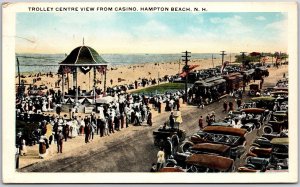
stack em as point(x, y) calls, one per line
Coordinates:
point(69, 100)
point(105, 100)
point(85, 101)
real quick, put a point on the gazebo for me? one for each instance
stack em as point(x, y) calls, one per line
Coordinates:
point(84, 59)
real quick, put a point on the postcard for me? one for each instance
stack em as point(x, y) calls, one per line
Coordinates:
point(154, 92)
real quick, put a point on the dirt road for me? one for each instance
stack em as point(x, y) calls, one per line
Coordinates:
point(131, 150)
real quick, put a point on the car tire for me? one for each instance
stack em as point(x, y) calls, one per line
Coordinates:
point(185, 146)
point(247, 160)
point(268, 130)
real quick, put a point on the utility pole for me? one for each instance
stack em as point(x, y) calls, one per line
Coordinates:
point(223, 54)
point(186, 70)
point(212, 60)
point(243, 58)
point(230, 58)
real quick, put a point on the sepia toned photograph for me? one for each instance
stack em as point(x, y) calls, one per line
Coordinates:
point(150, 90)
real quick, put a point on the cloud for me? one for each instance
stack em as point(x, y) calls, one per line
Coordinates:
point(279, 25)
point(260, 18)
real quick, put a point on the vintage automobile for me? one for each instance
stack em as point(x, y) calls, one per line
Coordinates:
point(210, 148)
point(280, 153)
point(264, 102)
point(262, 142)
point(279, 93)
point(209, 163)
point(277, 123)
point(254, 88)
point(281, 88)
point(259, 152)
point(175, 134)
point(259, 116)
point(224, 124)
point(257, 163)
point(233, 137)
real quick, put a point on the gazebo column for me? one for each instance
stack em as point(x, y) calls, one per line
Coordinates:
point(74, 77)
point(63, 86)
point(94, 86)
point(104, 92)
point(76, 86)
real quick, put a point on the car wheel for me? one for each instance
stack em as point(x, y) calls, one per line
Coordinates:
point(185, 146)
point(248, 159)
point(268, 130)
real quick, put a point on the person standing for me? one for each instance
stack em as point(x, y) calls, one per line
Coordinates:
point(208, 120)
point(60, 139)
point(225, 106)
point(66, 130)
point(117, 123)
point(98, 122)
point(201, 123)
point(110, 125)
point(172, 120)
point(230, 106)
point(149, 118)
point(160, 159)
point(86, 133)
point(58, 110)
point(239, 102)
point(159, 107)
point(122, 118)
point(102, 127)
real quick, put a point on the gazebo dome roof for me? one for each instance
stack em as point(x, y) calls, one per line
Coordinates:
point(84, 55)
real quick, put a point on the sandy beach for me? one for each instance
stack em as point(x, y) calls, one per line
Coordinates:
point(128, 73)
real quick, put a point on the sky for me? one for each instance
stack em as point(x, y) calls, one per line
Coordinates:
point(158, 32)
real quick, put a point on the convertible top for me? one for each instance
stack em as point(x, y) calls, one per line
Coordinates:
point(253, 110)
point(225, 130)
point(211, 148)
point(263, 98)
point(280, 141)
point(210, 161)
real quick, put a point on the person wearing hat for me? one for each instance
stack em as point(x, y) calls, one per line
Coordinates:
point(60, 139)
point(201, 123)
point(149, 118)
point(208, 120)
point(172, 120)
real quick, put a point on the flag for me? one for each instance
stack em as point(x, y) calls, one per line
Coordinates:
point(223, 66)
point(185, 70)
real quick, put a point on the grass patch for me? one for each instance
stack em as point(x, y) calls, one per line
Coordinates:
point(162, 88)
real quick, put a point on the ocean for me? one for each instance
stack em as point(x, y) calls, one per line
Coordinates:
point(47, 62)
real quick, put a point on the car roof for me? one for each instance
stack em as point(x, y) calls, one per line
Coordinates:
point(225, 130)
point(210, 161)
point(211, 147)
point(253, 110)
point(280, 141)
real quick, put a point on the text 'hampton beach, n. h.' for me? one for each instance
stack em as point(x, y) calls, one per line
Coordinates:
point(116, 9)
